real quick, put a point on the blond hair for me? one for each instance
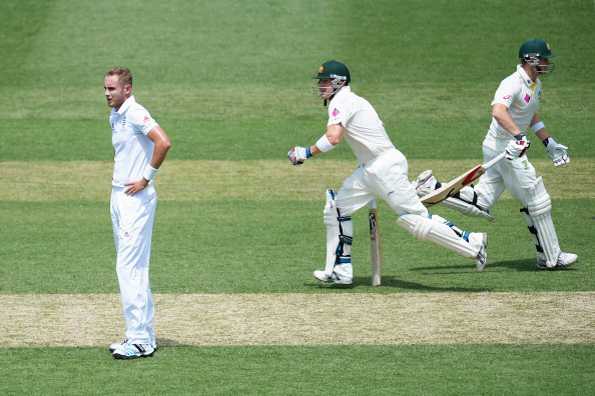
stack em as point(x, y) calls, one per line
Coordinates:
point(124, 74)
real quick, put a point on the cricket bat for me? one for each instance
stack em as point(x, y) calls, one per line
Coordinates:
point(454, 186)
point(375, 259)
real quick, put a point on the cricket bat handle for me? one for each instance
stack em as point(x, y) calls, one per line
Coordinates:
point(375, 259)
point(494, 161)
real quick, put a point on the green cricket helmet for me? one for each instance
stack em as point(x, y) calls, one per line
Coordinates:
point(333, 70)
point(534, 50)
point(337, 73)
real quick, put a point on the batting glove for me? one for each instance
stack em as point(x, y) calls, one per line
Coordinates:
point(297, 155)
point(517, 146)
point(556, 151)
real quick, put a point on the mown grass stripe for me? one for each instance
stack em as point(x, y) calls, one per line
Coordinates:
point(307, 319)
point(259, 180)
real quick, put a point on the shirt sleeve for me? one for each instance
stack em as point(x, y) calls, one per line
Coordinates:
point(338, 113)
point(141, 121)
point(505, 93)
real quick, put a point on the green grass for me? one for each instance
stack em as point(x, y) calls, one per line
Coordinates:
point(340, 370)
point(248, 246)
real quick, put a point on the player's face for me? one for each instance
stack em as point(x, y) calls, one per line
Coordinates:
point(325, 88)
point(544, 66)
point(116, 93)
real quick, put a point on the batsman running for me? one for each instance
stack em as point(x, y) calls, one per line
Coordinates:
point(381, 172)
point(514, 111)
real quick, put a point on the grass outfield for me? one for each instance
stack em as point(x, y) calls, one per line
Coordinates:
point(334, 370)
point(230, 82)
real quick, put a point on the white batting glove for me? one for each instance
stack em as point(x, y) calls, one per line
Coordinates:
point(556, 151)
point(517, 146)
point(297, 155)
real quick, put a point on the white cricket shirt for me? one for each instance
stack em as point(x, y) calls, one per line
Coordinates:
point(521, 96)
point(132, 148)
point(365, 132)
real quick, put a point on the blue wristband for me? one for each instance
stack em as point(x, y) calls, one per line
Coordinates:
point(308, 152)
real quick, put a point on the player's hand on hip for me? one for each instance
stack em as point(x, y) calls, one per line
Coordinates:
point(297, 155)
point(517, 147)
point(557, 152)
point(134, 187)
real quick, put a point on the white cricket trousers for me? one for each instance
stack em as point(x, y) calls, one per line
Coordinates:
point(132, 221)
point(516, 175)
point(385, 177)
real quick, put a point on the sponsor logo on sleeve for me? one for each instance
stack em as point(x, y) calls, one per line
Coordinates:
point(335, 112)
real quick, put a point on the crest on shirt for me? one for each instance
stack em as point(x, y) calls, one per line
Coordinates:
point(335, 112)
point(527, 98)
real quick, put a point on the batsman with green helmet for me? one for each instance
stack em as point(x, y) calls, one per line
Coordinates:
point(381, 172)
point(514, 112)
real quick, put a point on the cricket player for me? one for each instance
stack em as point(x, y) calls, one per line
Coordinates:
point(514, 112)
point(140, 146)
point(381, 172)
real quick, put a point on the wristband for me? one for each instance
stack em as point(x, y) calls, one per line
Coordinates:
point(149, 172)
point(324, 145)
point(308, 152)
point(520, 136)
point(538, 126)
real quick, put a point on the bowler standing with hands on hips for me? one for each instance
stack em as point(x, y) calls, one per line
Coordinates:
point(140, 146)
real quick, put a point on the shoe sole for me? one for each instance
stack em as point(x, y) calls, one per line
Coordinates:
point(111, 350)
point(122, 357)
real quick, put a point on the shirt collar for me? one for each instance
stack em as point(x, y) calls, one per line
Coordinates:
point(525, 77)
point(127, 103)
point(342, 91)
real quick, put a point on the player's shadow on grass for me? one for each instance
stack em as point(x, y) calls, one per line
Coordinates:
point(393, 281)
point(521, 265)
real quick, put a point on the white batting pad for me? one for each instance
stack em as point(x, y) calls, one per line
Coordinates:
point(466, 208)
point(437, 231)
point(539, 206)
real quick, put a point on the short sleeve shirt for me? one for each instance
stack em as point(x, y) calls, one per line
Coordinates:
point(365, 132)
point(521, 96)
point(133, 149)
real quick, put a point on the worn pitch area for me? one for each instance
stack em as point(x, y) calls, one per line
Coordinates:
point(306, 319)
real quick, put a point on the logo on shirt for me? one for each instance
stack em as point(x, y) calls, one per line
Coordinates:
point(527, 98)
point(146, 119)
point(507, 97)
point(335, 112)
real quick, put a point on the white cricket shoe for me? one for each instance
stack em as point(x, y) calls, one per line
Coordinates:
point(481, 260)
point(425, 183)
point(115, 345)
point(564, 260)
point(332, 279)
point(133, 351)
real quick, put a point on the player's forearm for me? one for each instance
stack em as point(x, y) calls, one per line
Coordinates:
point(328, 141)
point(160, 150)
point(539, 128)
point(161, 145)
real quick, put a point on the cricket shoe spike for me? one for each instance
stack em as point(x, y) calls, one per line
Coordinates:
point(133, 351)
point(481, 260)
point(564, 260)
point(425, 183)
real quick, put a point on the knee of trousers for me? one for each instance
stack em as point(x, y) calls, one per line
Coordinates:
point(538, 201)
point(419, 226)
